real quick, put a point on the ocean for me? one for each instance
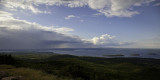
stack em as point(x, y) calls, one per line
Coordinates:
point(97, 52)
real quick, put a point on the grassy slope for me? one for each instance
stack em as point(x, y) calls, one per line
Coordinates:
point(27, 73)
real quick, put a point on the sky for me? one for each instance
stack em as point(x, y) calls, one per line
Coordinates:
point(43, 24)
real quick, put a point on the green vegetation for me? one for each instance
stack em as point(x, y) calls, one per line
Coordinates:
point(27, 74)
point(135, 54)
point(114, 55)
point(34, 55)
point(57, 67)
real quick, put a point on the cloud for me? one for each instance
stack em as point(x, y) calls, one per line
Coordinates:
point(157, 4)
point(103, 39)
point(9, 22)
point(109, 8)
point(73, 16)
point(106, 40)
point(97, 14)
point(36, 39)
point(110, 13)
point(17, 5)
point(21, 34)
point(5, 15)
point(120, 8)
point(63, 30)
point(70, 16)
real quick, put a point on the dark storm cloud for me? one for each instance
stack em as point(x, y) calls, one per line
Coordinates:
point(20, 39)
point(19, 34)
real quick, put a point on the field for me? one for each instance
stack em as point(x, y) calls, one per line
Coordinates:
point(47, 66)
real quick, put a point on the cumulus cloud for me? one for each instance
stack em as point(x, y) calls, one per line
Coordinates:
point(110, 8)
point(120, 8)
point(103, 39)
point(106, 40)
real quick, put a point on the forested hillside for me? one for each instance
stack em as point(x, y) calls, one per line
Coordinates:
point(81, 68)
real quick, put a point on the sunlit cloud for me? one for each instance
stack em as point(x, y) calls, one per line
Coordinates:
point(110, 8)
